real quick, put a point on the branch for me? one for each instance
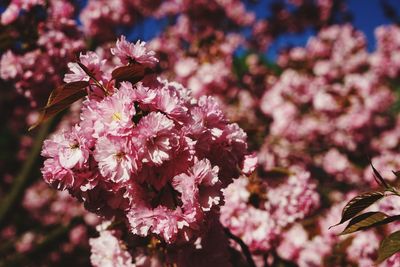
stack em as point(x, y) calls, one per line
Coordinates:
point(243, 246)
point(22, 179)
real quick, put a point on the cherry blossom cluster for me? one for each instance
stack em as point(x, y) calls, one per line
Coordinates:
point(327, 102)
point(34, 65)
point(327, 116)
point(117, 13)
point(294, 16)
point(110, 248)
point(324, 117)
point(12, 11)
point(258, 213)
point(147, 153)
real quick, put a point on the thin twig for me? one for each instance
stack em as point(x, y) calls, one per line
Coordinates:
point(243, 246)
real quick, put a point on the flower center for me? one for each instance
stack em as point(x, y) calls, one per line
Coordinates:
point(119, 156)
point(74, 145)
point(116, 116)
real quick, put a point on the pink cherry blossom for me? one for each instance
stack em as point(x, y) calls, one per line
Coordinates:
point(128, 52)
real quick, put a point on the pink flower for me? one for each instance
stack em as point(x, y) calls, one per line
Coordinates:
point(70, 149)
point(10, 66)
point(138, 155)
point(108, 251)
point(12, 11)
point(111, 116)
point(249, 163)
point(161, 221)
point(10, 14)
point(293, 200)
point(200, 188)
point(254, 226)
point(184, 67)
point(292, 243)
point(157, 135)
point(128, 52)
point(92, 61)
point(170, 102)
point(54, 174)
point(116, 157)
point(363, 249)
point(314, 252)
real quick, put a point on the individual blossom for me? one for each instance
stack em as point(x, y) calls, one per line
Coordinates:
point(93, 63)
point(134, 53)
point(116, 158)
point(386, 59)
point(200, 188)
point(254, 226)
point(70, 148)
point(14, 8)
point(293, 200)
point(292, 243)
point(314, 252)
point(107, 250)
point(10, 66)
point(156, 134)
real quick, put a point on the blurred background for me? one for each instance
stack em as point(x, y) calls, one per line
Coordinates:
point(314, 84)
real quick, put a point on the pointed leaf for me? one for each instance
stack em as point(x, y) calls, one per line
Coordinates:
point(131, 73)
point(66, 90)
point(397, 173)
point(389, 246)
point(54, 108)
point(358, 204)
point(61, 98)
point(378, 177)
point(364, 221)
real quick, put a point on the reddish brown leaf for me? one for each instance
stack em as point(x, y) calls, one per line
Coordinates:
point(366, 221)
point(133, 73)
point(61, 98)
point(378, 177)
point(66, 90)
point(358, 204)
point(389, 246)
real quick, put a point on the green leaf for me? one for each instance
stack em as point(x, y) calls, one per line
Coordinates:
point(131, 73)
point(389, 246)
point(368, 220)
point(358, 204)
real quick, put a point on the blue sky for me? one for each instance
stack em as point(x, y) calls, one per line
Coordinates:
point(367, 15)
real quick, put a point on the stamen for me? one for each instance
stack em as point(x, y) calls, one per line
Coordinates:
point(116, 116)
